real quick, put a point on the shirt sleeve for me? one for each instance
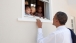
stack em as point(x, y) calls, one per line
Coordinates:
point(49, 39)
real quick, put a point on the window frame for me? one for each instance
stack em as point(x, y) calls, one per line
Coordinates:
point(30, 18)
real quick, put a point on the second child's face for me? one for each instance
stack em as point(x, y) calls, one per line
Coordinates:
point(28, 10)
point(40, 9)
point(33, 10)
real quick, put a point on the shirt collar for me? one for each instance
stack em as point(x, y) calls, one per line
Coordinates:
point(61, 27)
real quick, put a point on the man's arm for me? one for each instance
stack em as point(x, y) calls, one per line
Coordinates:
point(40, 39)
point(39, 35)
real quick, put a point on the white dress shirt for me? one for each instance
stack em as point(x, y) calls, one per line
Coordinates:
point(61, 35)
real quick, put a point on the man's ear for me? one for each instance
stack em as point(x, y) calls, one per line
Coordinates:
point(57, 21)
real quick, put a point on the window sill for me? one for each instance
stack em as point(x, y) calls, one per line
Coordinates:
point(44, 1)
point(30, 19)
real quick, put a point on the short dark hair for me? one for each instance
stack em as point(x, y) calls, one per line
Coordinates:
point(38, 6)
point(27, 6)
point(62, 17)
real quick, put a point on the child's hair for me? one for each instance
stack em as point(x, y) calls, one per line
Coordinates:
point(38, 6)
point(27, 6)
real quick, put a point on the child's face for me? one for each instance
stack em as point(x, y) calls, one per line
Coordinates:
point(33, 10)
point(28, 10)
point(40, 9)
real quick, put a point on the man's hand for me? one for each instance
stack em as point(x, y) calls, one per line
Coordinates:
point(39, 23)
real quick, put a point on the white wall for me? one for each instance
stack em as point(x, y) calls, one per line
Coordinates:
point(61, 5)
point(72, 10)
point(14, 31)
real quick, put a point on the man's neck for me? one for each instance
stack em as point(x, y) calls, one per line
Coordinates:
point(58, 26)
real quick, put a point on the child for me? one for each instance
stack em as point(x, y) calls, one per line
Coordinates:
point(27, 10)
point(33, 11)
point(26, 3)
point(39, 12)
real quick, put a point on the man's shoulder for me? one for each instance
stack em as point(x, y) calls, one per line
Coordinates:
point(61, 31)
point(55, 32)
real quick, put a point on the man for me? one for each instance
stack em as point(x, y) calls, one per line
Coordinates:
point(61, 35)
point(26, 3)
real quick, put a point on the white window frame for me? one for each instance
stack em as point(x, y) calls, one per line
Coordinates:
point(45, 1)
point(30, 18)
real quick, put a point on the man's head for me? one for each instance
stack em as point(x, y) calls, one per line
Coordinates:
point(27, 9)
point(59, 19)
